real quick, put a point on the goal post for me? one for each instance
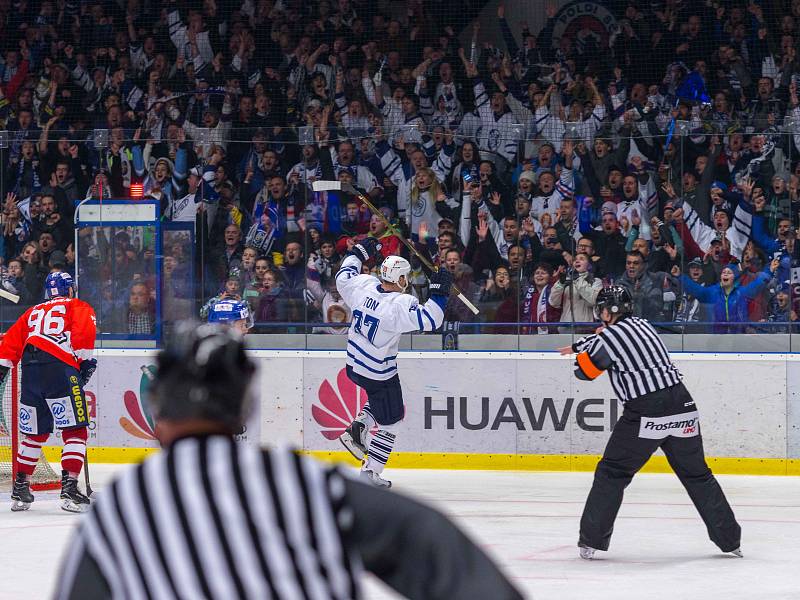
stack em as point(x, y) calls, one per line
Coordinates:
point(44, 477)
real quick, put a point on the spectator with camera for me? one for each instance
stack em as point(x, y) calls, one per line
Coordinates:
point(575, 293)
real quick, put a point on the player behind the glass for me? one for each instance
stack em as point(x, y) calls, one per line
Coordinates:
point(659, 413)
point(382, 312)
point(54, 342)
point(235, 313)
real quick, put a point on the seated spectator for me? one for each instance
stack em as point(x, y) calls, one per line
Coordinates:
point(272, 302)
point(140, 315)
point(456, 310)
point(12, 281)
point(252, 290)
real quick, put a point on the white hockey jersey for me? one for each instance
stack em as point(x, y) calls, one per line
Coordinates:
point(379, 319)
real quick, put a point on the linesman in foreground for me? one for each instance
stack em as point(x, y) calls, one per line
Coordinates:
point(212, 518)
point(659, 413)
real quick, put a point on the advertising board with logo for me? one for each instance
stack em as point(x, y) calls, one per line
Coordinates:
point(519, 404)
point(116, 399)
point(536, 406)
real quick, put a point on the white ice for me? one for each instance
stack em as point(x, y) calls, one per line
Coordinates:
point(528, 522)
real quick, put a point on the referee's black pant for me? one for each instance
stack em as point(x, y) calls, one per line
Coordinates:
point(626, 453)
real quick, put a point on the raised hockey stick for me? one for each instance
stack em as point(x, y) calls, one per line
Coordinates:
point(326, 185)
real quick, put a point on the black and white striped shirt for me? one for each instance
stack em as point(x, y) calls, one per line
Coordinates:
point(212, 518)
point(636, 359)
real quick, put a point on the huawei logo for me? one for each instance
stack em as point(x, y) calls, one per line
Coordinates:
point(336, 407)
point(140, 424)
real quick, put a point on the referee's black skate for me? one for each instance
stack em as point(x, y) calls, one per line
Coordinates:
point(72, 499)
point(21, 496)
point(353, 439)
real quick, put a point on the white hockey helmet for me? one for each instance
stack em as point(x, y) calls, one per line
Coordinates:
point(393, 268)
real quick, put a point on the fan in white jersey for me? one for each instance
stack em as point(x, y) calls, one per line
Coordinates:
point(382, 312)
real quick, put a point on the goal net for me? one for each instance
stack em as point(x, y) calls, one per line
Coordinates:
point(44, 477)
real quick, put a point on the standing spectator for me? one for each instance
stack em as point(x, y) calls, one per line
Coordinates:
point(727, 299)
point(575, 293)
point(536, 306)
point(226, 255)
point(650, 291)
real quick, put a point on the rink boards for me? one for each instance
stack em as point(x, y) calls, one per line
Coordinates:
point(476, 410)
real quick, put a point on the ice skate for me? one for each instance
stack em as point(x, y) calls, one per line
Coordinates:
point(586, 552)
point(21, 497)
point(353, 439)
point(375, 479)
point(72, 500)
point(737, 553)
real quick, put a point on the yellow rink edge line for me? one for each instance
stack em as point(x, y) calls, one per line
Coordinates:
point(488, 462)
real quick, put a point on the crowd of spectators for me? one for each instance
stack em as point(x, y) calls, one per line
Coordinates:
point(663, 157)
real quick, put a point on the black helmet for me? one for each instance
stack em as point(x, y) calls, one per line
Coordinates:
point(617, 299)
point(203, 373)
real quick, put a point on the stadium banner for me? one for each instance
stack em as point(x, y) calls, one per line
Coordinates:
point(120, 420)
point(536, 406)
point(489, 410)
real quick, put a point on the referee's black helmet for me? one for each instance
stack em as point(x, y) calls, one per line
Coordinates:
point(203, 373)
point(617, 299)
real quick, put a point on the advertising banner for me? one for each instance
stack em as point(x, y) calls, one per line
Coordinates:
point(120, 417)
point(469, 403)
point(529, 406)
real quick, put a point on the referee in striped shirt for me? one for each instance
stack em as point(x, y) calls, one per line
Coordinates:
point(212, 518)
point(659, 413)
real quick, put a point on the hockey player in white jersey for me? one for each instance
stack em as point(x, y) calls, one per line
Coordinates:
point(382, 312)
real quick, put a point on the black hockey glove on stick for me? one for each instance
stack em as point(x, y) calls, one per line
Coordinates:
point(441, 281)
point(366, 249)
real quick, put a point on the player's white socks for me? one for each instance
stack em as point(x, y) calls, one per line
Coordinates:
point(29, 451)
point(365, 417)
point(73, 455)
point(380, 447)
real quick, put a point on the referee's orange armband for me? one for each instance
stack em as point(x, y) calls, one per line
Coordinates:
point(587, 367)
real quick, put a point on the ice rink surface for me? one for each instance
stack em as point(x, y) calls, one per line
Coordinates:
point(529, 522)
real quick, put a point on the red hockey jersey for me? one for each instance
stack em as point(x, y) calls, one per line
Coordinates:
point(62, 327)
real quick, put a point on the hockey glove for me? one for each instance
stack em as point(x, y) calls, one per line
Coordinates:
point(3, 372)
point(441, 281)
point(366, 249)
point(88, 367)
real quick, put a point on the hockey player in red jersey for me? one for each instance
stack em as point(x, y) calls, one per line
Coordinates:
point(54, 342)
